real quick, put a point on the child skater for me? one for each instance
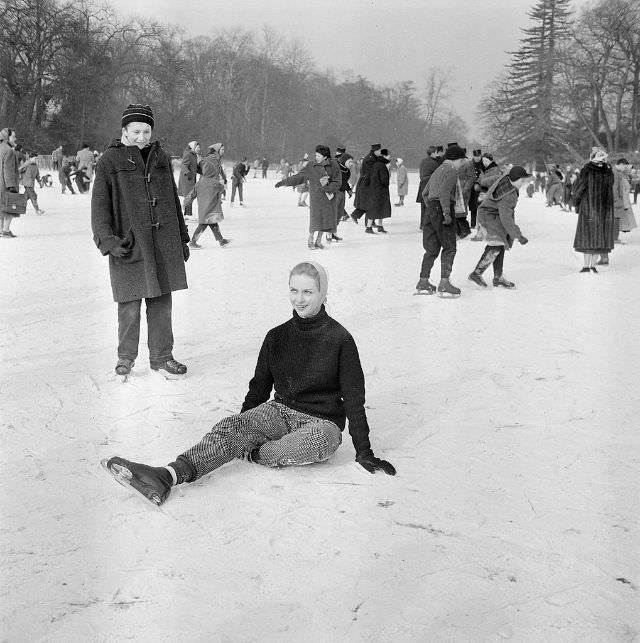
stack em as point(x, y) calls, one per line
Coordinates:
point(496, 217)
point(312, 363)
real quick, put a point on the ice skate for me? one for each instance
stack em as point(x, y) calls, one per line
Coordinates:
point(381, 229)
point(425, 287)
point(224, 242)
point(123, 367)
point(477, 279)
point(170, 367)
point(501, 281)
point(369, 230)
point(447, 290)
point(152, 483)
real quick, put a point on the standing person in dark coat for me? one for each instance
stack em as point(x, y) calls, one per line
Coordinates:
point(325, 179)
point(264, 164)
point(9, 176)
point(137, 220)
point(238, 174)
point(361, 202)
point(379, 197)
point(439, 231)
point(189, 169)
point(593, 201)
point(428, 165)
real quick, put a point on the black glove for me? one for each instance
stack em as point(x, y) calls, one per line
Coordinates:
point(185, 252)
point(120, 251)
point(523, 240)
point(368, 461)
point(278, 184)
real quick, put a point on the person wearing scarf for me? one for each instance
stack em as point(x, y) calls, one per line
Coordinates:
point(311, 364)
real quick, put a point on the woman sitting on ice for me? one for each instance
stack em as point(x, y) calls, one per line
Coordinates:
point(312, 363)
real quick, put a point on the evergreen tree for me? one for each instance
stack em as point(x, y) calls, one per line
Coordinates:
point(519, 112)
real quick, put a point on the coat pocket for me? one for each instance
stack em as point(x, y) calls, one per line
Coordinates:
point(135, 253)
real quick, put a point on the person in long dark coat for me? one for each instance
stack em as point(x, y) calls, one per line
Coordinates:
point(361, 202)
point(137, 221)
point(189, 169)
point(379, 197)
point(428, 166)
point(325, 179)
point(594, 204)
point(9, 176)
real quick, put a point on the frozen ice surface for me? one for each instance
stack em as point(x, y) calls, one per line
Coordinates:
point(511, 416)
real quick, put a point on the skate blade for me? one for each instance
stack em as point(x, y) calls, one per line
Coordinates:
point(447, 295)
point(123, 476)
point(424, 293)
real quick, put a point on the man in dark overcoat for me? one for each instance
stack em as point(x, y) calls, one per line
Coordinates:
point(137, 220)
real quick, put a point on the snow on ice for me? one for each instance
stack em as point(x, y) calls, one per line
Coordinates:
point(511, 416)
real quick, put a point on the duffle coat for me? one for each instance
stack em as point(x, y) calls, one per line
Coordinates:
point(379, 200)
point(136, 204)
point(322, 210)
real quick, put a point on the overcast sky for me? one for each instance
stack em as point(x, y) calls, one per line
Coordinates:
point(385, 41)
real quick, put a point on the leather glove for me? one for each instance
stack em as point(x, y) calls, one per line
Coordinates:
point(120, 251)
point(278, 184)
point(368, 461)
point(186, 253)
point(523, 240)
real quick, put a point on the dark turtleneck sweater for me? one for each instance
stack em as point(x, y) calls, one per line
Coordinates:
point(314, 367)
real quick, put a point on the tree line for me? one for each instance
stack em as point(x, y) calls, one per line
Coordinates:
point(67, 69)
point(573, 83)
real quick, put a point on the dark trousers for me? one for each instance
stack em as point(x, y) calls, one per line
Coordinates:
point(159, 330)
point(187, 210)
point(436, 237)
point(264, 172)
point(491, 255)
point(215, 228)
point(67, 184)
point(423, 213)
point(233, 191)
point(636, 190)
point(31, 194)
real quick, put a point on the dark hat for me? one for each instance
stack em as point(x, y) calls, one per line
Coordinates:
point(341, 148)
point(488, 155)
point(622, 161)
point(453, 153)
point(439, 148)
point(384, 152)
point(452, 144)
point(137, 113)
point(324, 150)
point(518, 172)
point(375, 146)
point(477, 152)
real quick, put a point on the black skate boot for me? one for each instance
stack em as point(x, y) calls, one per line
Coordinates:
point(477, 279)
point(425, 287)
point(447, 290)
point(154, 483)
point(171, 366)
point(381, 229)
point(369, 230)
point(124, 366)
point(501, 281)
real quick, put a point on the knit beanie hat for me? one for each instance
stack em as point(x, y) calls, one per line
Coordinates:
point(453, 153)
point(137, 113)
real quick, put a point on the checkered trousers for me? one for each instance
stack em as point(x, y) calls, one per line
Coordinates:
point(285, 437)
